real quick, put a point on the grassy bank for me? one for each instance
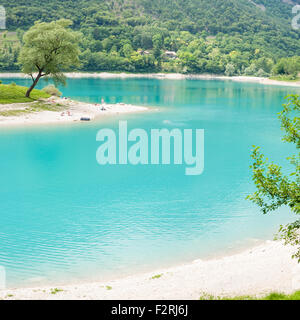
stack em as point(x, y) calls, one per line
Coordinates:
point(11, 93)
point(288, 78)
point(271, 296)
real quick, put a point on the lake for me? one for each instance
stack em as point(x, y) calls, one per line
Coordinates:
point(63, 217)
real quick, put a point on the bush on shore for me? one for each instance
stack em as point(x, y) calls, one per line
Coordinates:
point(52, 90)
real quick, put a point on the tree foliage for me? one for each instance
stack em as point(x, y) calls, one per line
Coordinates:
point(274, 188)
point(48, 50)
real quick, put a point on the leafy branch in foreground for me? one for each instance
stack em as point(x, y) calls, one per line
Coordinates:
point(274, 189)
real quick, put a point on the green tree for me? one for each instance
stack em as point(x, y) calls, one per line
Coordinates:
point(127, 50)
point(275, 189)
point(251, 70)
point(157, 46)
point(48, 50)
point(266, 64)
point(287, 66)
point(230, 70)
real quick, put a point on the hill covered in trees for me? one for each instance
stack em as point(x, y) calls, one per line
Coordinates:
point(196, 36)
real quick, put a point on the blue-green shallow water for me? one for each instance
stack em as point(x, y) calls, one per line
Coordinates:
point(64, 217)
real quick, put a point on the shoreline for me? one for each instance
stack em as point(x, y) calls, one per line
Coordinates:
point(168, 76)
point(70, 111)
point(239, 274)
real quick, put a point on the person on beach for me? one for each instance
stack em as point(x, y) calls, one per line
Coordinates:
point(102, 105)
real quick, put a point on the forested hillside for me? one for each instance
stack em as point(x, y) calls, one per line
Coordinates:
point(198, 36)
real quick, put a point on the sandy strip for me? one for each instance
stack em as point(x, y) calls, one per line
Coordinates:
point(72, 111)
point(263, 269)
point(170, 76)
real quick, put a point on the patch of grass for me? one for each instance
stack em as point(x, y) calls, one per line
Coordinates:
point(55, 290)
point(9, 295)
point(156, 276)
point(272, 296)
point(281, 296)
point(36, 107)
point(10, 93)
point(108, 287)
point(13, 113)
point(206, 297)
point(43, 106)
point(289, 78)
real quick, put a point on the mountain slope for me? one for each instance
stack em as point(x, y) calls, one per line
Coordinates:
point(191, 15)
point(200, 31)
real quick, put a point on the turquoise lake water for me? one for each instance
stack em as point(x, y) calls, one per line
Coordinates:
point(65, 217)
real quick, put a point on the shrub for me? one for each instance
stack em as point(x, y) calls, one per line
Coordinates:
point(230, 70)
point(251, 70)
point(261, 73)
point(52, 90)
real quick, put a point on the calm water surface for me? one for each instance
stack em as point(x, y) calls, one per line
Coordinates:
point(64, 217)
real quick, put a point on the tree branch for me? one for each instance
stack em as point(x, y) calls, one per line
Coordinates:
point(32, 77)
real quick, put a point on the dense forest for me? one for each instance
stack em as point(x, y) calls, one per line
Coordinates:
point(229, 37)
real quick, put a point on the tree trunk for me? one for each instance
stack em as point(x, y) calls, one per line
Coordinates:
point(33, 84)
